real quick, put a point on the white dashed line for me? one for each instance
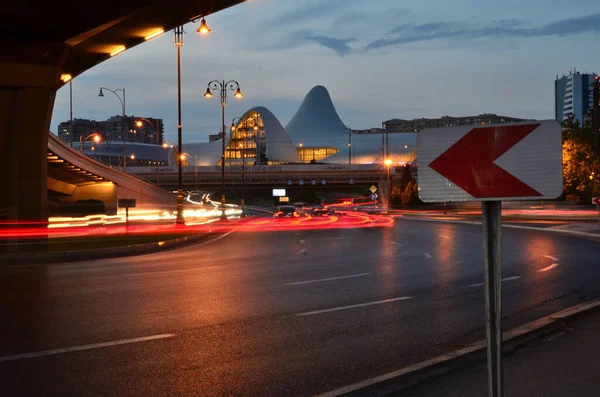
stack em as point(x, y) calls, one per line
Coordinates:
point(550, 257)
point(427, 255)
point(503, 280)
point(395, 243)
point(84, 347)
point(328, 279)
point(302, 242)
point(444, 236)
point(552, 266)
point(354, 306)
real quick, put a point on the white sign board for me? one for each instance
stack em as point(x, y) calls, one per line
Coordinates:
point(513, 161)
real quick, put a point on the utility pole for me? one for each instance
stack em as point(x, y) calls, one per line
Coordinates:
point(71, 111)
point(596, 114)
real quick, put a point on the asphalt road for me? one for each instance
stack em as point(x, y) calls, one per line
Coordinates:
point(271, 313)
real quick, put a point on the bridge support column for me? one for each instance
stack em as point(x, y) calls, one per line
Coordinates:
point(28, 84)
point(27, 93)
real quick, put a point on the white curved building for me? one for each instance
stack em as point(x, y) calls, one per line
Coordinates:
point(315, 134)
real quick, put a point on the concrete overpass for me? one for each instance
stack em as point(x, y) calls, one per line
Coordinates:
point(73, 177)
point(41, 43)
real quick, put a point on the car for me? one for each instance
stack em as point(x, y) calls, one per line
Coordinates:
point(286, 211)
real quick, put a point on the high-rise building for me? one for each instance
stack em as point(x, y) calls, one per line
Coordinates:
point(573, 95)
point(114, 129)
point(81, 129)
point(416, 125)
point(119, 126)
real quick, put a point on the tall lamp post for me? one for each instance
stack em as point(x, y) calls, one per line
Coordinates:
point(122, 100)
point(223, 87)
point(243, 155)
point(139, 123)
point(388, 164)
point(179, 43)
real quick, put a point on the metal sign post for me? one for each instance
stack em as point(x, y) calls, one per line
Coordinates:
point(492, 257)
point(512, 161)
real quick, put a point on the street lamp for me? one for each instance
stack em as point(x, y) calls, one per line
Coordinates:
point(388, 164)
point(122, 100)
point(179, 43)
point(139, 123)
point(223, 87)
point(95, 137)
point(203, 29)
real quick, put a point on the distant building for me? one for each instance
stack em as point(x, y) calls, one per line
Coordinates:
point(81, 129)
point(416, 125)
point(114, 129)
point(214, 137)
point(573, 96)
point(315, 134)
point(117, 126)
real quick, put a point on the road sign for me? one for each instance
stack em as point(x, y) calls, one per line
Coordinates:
point(314, 182)
point(323, 182)
point(373, 196)
point(596, 200)
point(290, 182)
point(516, 161)
point(373, 189)
point(351, 181)
point(300, 182)
point(126, 203)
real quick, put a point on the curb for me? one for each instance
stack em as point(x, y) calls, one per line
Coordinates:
point(571, 233)
point(106, 253)
point(393, 382)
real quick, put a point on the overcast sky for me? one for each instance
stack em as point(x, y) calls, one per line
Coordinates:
point(379, 59)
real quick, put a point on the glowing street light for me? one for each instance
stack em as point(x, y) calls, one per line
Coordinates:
point(95, 137)
point(203, 29)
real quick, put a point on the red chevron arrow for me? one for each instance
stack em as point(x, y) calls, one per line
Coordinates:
point(469, 163)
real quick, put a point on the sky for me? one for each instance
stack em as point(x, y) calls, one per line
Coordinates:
point(379, 59)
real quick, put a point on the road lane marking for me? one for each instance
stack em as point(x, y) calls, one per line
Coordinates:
point(153, 273)
point(328, 279)
point(402, 298)
point(444, 236)
point(427, 255)
point(552, 266)
point(84, 347)
point(395, 243)
point(302, 242)
point(503, 280)
point(550, 257)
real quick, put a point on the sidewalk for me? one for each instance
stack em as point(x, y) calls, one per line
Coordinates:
point(563, 364)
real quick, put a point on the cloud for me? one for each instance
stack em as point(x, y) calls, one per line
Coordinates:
point(511, 28)
point(340, 46)
point(310, 11)
point(303, 37)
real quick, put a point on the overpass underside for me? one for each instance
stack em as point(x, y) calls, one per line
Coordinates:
point(75, 191)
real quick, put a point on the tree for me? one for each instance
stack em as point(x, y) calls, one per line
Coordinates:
point(410, 195)
point(581, 167)
point(396, 196)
